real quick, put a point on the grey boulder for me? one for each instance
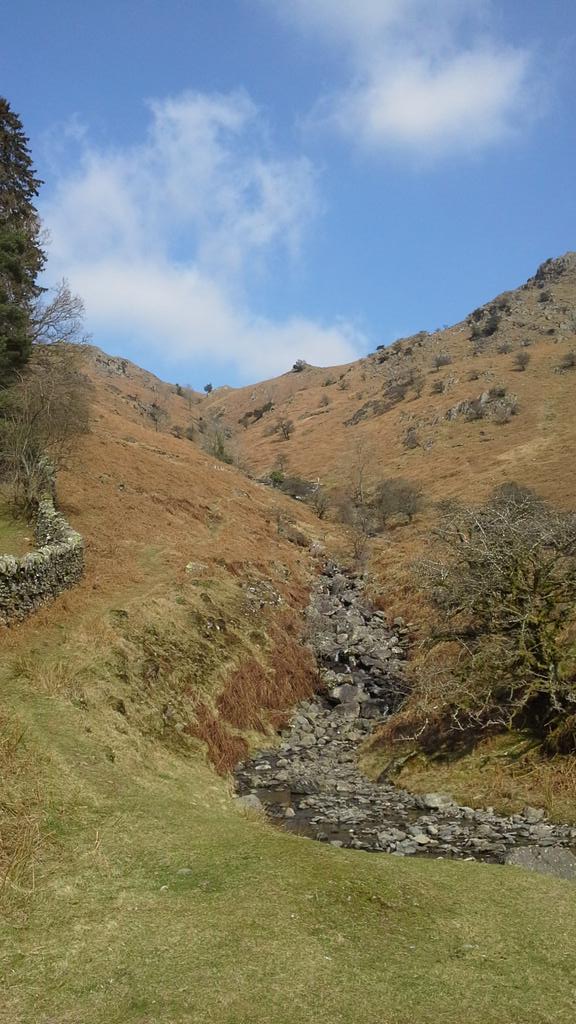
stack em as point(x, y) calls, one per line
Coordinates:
point(551, 860)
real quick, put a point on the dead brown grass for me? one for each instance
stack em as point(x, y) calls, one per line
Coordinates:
point(247, 693)
point(260, 697)
point(225, 749)
point(497, 773)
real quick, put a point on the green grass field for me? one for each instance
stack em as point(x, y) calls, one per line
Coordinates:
point(16, 536)
point(137, 892)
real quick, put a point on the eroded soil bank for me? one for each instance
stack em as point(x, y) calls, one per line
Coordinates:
point(312, 785)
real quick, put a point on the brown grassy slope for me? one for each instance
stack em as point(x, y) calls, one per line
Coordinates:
point(148, 505)
point(453, 457)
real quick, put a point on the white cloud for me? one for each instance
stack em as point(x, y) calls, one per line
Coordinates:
point(468, 102)
point(164, 305)
point(423, 75)
point(163, 239)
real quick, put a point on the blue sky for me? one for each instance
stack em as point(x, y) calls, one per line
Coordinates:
point(234, 184)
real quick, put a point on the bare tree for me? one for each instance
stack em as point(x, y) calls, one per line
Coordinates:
point(320, 500)
point(61, 319)
point(358, 515)
point(41, 417)
point(360, 547)
point(397, 496)
point(157, 414)
point(216, 438)
point(359, 473)
point(285, 427)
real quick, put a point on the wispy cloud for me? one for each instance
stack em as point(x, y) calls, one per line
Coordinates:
point(427, 76)
point(163, 239)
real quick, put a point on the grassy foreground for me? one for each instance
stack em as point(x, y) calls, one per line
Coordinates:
point(135, 891)
point(147, 897)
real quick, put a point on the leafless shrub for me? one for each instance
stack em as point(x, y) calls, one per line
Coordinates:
point(397, 496)
point(41, 417)
point(521, 361)
point(285, 428)
point(568, 362)
point(360, 547)
point(504, 584)
point(157, 414)
point(512, 494)
point(216, 444)
point(356, 513)
point(215, 438)
point(440, 360)
point(320, 501)
point(297, 487)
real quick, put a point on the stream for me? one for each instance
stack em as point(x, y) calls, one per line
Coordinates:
point(311, 783)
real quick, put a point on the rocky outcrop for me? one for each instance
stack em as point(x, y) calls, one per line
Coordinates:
point(33, 579)
point(312, 783)
point(495, 404)
point(554, 269)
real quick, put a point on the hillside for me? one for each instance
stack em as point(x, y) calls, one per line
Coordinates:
point(361, 413)
point(135, 888)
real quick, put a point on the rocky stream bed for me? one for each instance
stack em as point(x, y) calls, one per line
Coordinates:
point(311, 784)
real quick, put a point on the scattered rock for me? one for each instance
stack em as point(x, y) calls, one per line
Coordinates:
point(436, 801)
point(533, 814)
point(196, 568)
point(552, 860)
point(250, 802)
point(346, 693)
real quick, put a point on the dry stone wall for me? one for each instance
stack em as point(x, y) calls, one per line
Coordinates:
point(55, 565)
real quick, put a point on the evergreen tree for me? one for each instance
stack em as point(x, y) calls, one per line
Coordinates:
point(21, 256)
